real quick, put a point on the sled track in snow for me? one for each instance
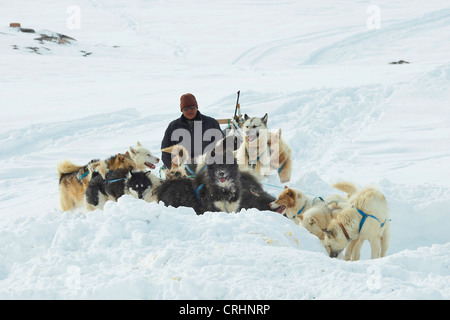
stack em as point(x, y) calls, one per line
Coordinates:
point(346, 48)
point(389, 34)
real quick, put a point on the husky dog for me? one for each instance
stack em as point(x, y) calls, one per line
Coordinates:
point(365, 217)
point(254, 154)
point(218, 187)
point(143, 157)
point(313, 213)
point(253, 194)
point(140, 184)
point(74, 180)
point(280, 156)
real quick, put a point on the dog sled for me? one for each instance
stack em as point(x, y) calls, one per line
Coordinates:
point(234, 124)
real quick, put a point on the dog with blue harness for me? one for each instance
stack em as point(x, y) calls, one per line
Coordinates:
point(364, 217)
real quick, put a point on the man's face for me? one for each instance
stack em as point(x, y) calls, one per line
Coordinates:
point(190, 112)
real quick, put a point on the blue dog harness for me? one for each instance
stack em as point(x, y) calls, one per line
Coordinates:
point(84, 175)
point(253, 165)
point(299, 212)
point(198, 190)
point(193, 174)
point(282, 166)
point(364, 217)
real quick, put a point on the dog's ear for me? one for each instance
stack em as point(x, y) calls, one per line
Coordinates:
point(264, 119)
point(139, 144)
point(120, 157)
point(286, 187)
point(291, 193)
point(279, 132)
point(246, 117)
point(333, 205)
point(329, 233)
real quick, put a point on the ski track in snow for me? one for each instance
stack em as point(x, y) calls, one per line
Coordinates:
point(138, 250)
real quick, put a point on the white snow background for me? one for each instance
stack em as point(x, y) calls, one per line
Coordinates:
point(319, 68)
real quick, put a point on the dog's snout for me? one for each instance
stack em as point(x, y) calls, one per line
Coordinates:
point(334, 254)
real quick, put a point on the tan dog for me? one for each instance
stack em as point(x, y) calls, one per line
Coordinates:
point(313, 213)
point(73, 181)
point(365, 217)
point(280, 156)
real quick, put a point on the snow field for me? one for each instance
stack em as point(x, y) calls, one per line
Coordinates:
point(322, 75)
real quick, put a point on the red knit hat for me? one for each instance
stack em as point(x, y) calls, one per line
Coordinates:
point(188, 100)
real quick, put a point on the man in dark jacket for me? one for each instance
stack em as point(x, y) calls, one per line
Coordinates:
point(192, 130)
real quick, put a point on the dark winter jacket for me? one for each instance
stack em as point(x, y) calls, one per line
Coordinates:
point(190, 125)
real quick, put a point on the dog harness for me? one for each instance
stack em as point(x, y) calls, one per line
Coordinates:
point(84, 175)
point(364, 217)
point(253, 165)
point(198, 190)
point(300, 211)
point(282, 166)
point(115, 180)
point(193, 174)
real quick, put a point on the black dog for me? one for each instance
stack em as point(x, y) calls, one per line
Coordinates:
point(139, 184)
point(218, 187)
point(253, 194)
point(112, 187)
point(178, 193)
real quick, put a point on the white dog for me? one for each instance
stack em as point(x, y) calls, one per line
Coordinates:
point(143, 157)
point(365, 217)
point(254, 153)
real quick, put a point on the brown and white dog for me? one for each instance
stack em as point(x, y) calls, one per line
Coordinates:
point(364, 217)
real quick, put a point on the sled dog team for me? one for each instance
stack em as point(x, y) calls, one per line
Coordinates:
point(230, 180)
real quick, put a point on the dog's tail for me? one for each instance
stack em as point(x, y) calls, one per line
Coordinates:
point(65, 167)
point(347, 187)
point(371, 200)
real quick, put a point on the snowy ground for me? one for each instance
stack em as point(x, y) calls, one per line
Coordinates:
point(320, 69)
